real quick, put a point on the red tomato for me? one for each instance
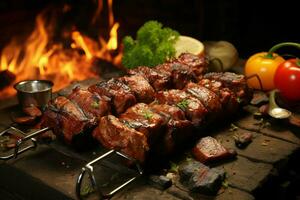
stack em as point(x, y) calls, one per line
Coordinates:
point(287, 79)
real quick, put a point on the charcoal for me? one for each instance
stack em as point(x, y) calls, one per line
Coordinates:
point(199, 178)
point(242, 140)
point(160, 182)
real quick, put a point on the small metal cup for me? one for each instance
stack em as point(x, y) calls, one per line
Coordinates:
point(34, 92)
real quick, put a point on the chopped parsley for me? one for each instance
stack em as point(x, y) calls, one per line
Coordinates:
point(183, 104)
point(147, 114)
point(95, 104)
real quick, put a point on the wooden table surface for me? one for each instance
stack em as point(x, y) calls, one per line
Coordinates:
point(45, 173)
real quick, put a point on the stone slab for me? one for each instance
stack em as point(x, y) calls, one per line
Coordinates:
point(245, 174)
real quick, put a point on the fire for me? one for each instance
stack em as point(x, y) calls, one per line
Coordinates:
point(39, 58)
point(113, 41)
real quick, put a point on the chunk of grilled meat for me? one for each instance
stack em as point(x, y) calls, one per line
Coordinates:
point(193, 108)
point(235, 82)
point(208, 98)
point(178, 128)
point(113, 134)
point(181, 74)
point(198, 64)
point(65, 118)
point(93, 105)
point(141, 118)
point(209, 149)
point(227, 97)
point(158, 80)
point(140, 86)
point(121, 95)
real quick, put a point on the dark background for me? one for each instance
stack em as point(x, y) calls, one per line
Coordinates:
point(251, 26)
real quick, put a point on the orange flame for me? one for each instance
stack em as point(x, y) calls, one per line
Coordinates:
point(113, 40)
point(39, 58)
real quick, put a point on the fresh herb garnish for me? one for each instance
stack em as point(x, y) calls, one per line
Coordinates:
point(95, 104)
point(183, 104)
point(147, 114)
point(153, 45)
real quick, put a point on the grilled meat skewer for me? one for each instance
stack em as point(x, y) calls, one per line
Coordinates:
point(118, 94)
point(160, 126)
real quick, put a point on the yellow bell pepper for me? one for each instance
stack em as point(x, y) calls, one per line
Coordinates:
point(264, 65)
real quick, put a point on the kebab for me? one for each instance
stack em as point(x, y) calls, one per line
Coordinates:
point(80, 111)
point(159, 126)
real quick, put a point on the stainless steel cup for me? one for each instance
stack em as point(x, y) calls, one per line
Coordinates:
point(34, 92)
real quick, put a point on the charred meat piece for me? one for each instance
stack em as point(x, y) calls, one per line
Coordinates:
point(141, 88)
point(181, 74)
point(227, 97)
point(121, 95)
point(208, 98)
point(178, 128)
point(193, 108)
point(157, 79)
point(93, 105)
point(114, 134)
point(235, 82)
point(209, 149)
point(66, 119)
point(198, 64)
point(141, 118)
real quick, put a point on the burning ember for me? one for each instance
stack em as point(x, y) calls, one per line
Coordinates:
point(39, 57)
